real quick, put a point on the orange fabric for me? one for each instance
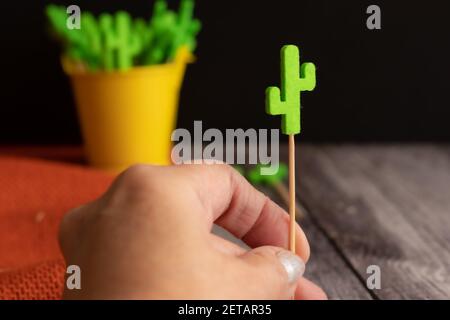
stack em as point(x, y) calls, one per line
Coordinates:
point(34, 194)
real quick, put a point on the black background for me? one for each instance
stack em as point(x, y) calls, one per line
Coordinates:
point(383, 85)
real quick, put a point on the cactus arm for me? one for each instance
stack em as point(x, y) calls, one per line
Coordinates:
point(308, 73)
point(274, 105)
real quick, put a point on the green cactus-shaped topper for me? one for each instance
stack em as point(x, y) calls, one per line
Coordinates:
point(295, 77)
point(120, 41)
point(80, 45)
point(256, 178)
point(172, 31)
point(162, 25)
point(75, 43)
point(186, 28)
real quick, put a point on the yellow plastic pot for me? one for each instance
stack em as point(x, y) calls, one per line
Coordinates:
point(128, 117)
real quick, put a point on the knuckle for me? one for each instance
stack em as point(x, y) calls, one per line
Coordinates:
point(135, 176)
point(136, 185)
point(135, 180)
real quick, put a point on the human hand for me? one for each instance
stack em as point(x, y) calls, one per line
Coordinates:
point(149, 237)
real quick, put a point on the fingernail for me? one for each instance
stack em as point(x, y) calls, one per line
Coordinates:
point(294, 266)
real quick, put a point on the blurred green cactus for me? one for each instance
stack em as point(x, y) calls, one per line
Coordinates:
point(275, 181)
point(239, 169)
point(256, 178)
point(118, 42)
point(186, 28)
point(162, 25)
point(75, 43)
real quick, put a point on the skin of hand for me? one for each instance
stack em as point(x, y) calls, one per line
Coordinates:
point(149, 237)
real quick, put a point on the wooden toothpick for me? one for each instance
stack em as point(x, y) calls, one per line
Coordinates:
point(276, 182)
point(292, 201)
point(295, 78)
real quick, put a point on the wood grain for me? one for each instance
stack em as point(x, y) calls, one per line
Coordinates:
point(384, 205)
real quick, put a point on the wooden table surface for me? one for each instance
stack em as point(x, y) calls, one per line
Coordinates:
point(384, 205)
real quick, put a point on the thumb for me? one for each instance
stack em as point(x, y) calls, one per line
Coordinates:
point(272, 272)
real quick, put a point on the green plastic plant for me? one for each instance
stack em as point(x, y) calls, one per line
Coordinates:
point(118, 42)
point(295, 78)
